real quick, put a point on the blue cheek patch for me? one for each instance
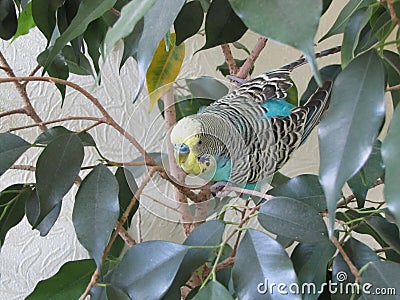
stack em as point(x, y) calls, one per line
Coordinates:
point(277, 107)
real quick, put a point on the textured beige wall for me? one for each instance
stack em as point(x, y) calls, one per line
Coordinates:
point(26, 257)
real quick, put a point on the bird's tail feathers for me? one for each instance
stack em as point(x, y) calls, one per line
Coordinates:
point(316, 105)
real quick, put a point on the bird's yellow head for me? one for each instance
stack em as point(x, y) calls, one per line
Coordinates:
point(185, 137)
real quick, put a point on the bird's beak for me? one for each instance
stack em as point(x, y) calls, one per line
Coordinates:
point(181, 153)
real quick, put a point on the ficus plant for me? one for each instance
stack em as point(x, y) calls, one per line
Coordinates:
point(221, 258)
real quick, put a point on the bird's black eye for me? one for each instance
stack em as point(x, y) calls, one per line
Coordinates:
point(200, 142)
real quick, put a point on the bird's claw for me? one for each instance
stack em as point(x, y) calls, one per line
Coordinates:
point(218, 189)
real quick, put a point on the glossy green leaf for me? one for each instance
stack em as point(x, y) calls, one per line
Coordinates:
point(386, 230)
point(305, 188)
point(165, 12)
point(352, 32)
point(142, 271)
point(113, 292)
point(360, 255)
point(293, 219)
point(349, 129)
point(32, 212)
point(80, 66)
point(8, 19)
point(127, 187)
point(310, 262)
point(96, 211)
point(207, 234)
point(325, 5)
point(94, 36)
point(383, 26)
point(213, 291)
point(278, 20)
point(222, 25)
point(190, 106)
point(344, 16)
point(392, 65)
point(261, 261)
point(131, 14)
point(56, 170)
point(164, 69)
point(11, 148)
point(207, 88)
point(12, 207)
point(57, 68)
point(131, 42)
point(44, 15)
point(188, 21)
point(89, 10)
point(25, 21)
point(382, 275)
point(54, 132)
point(367, 176)
point(69, 282)
point(392, 165)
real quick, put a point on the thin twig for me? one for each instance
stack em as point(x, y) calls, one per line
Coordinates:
point(230, 188)
point(91, 126)
point(251, 59)
point(13, 112)
point(23, 167)
point(139, 225)
point(30, 111)
point(98, 120)
point(393, 12)
point(125, 235)
point(352, 267)
point(393, 88)
point(230, 61)
point(159, 202)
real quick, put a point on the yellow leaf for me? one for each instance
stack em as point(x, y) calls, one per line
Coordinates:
point(164, 69)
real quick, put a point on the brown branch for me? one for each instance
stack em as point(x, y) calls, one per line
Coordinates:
point(251, 59)
point(351, 197)
point(346, 258)
point(13, 112)
point(393, 12)
point(23, 167)
point(125, 235)
point(230, 61)
point(91, 126)
point(170, 119)
point(30, 111)
point(393, 88)
point(98, 120)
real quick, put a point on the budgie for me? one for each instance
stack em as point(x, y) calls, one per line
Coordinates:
point(247, 135)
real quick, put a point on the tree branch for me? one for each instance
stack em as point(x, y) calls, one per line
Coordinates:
point(230, 61)
point(251, 59)
point(346, 258)
point(393, 12)
point(30, 111)
point(13, 112)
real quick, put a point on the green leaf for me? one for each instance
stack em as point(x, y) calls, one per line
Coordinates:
point(8, 19)
point(94, 36)
point(56, 170)
point(224, 68)
point(359, 254)
point(127, 187)
point(188, 21)
point(115, 293)
point(131, 14)
point(11, 148)
point(96, 211)
point(142, 271)
point(189, 106)
point(207, 88)
point(392, 166)
point(89, 10)
point(80, 66)
point(278, 20)
point(344, 16)
point(352, 32)
point(25, 21)
point(207, 234)
point(392, 65)
point(54, 132)
point(310, 262)
point(32, 212)
point(44, 15)
point(12, 207)
point(222, 25)
point(349, 129)
point(293, 219)
point(305, 188)
point(165, 12)
point(213, 291)
point(386, 230)
point(69, 282)
point(325, 5)
point(164, 69)
point(367, 176)
point(131, 43)
point(260, 260)
point(57, 68)
point(383, 275)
